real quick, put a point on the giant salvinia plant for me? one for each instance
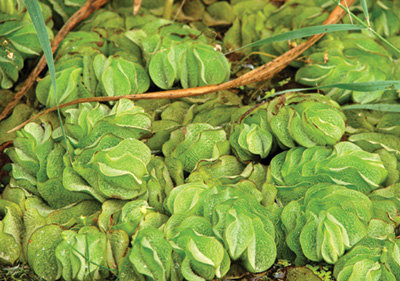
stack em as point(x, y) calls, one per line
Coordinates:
point(293, 119)
point(237, 217)
point(250, 136)
point(194, 142)
point(112, 168)
point(108, 59)
point(214, 109)
point(87, 123)
point(227, 169)
point(330, 220)
point(115, 164)
point(38, 166)
point(372, 260)
point(376, 257)
point(305, 119)
point(247, 232)
point(151, 254)
point(377, 132)
point(255, 20)
point(297, 169)
point(94, 74)
point(11, 228)
point(201, 254)
point(386, 204)
point(172, 56)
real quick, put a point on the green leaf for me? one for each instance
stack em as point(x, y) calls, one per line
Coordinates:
point(193, 143)
point(38, 21)
point(71, 216)
point(308, 119)
point(151, 254)
point(212, 68)
point(115, 168)
point(204, 257)
point(122, 77)
point(138, 214)
point(11, 228)
point(42, 252)
point(261, 253)
point(365, 10)
point(379, 107)
point(238, 234)
point(188, 198)
point(11, 62)
point(351, 58)
point(162, 71)
point(180, 221)
point(26, 41)
point(374, 141)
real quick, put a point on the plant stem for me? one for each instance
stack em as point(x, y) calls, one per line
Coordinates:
point(168, 9)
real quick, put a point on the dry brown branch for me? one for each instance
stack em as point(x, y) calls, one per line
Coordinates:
point(261, 73)
point(136, 6)
point(84, 12)
point(5, 145)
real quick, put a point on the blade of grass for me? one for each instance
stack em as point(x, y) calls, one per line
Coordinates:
point(87, 247)
point(91, 262)
point(359, 87)
point(351, 19)
point(300, 33)
point(365, 10)
point(37, 19)
point(379, 107)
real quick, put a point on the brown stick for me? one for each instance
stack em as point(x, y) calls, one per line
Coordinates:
point(84, 12)
point(261, 73)
point(4, 145)
point(136, 6)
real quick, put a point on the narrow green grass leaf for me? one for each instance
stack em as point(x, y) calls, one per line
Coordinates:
point(37, 19)
point(359, 87)
point(303, 32)
point(365, 10)
point(91, 262)
point(379, 107)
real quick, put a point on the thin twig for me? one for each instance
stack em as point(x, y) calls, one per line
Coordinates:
point(261, 73)
point(347, 6)
point(5, 145)
point(84, 12)
point(136, 6)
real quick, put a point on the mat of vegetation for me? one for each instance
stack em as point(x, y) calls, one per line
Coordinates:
point(244, 184)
